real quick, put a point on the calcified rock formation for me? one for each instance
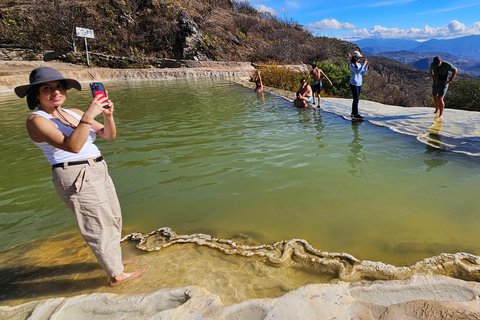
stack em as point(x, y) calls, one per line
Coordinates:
point(344, 266)
point(416, 298)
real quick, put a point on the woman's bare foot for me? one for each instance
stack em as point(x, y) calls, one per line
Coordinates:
point(126, 276)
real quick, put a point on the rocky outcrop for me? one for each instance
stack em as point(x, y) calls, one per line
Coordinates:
point(188, 37)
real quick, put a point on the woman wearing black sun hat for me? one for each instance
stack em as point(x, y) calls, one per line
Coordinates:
point(80, 174)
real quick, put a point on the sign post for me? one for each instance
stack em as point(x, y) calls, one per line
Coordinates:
point(85, 33)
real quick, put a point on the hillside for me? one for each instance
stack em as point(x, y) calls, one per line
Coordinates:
point(392, 82)
point(198, 29)
point(422, 60)
point(464, 47)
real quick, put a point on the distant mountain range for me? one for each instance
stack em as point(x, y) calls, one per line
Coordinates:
point(464, 52)
point(465, 47)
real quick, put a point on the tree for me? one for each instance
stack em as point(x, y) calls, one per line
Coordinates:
point(58, 32)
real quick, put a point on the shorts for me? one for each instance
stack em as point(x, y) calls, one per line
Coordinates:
point(317, 87)
point(310, 99)
point(440, 90)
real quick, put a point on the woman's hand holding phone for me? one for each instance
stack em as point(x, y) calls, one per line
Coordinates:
point(100, 103)
point(98, 90)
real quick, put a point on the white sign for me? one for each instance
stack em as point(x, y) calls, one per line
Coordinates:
point(85, 33)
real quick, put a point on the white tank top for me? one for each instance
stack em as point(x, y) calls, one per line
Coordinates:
point(56, 155)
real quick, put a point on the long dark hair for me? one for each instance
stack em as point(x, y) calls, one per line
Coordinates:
point(352, 61)
point(32, 99)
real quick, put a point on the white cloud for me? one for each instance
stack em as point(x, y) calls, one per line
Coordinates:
point(264, 8)
point(389, 3)
point(329, 24)
point(293, 4)
point(454, 29)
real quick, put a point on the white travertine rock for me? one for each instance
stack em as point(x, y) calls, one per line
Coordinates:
point(458, 131)
point(422, 297)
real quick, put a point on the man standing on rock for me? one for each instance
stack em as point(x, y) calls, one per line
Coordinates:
point(439, 72)
point(317, 73)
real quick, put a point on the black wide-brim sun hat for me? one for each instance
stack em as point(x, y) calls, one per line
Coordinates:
point(45, 74)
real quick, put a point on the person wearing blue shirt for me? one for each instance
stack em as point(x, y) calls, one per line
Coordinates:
point(357, 70)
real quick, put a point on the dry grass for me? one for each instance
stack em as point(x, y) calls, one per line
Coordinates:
point(277, 76)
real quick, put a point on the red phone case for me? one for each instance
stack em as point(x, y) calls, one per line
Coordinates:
point(98, 90)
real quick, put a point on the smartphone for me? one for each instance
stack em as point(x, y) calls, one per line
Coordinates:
point(98, 90)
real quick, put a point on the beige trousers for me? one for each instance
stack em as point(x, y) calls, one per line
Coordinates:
point(88, 191)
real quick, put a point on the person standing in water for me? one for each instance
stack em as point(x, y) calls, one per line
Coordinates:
point(258, 82)
point(316, 74)
point(439, 71)
point(357, 70)
point(80, 175)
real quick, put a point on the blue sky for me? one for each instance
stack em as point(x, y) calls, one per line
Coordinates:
point(399, 19)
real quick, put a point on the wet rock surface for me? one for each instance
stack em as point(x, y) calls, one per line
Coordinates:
point(422, 297)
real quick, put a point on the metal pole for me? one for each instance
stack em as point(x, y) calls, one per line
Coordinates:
point(86, 49)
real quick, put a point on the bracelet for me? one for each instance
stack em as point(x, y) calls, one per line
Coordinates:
point(86, 122)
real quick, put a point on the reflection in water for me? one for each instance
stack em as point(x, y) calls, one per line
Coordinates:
point(261, 96)
point(434, 137)
point(319, 126)
point(434, 145)
point(311, 116)
point(357, 155)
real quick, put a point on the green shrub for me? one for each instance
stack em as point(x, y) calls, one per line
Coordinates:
point(464, 95)
point(210, 46)
point(278, 76)
point(339, 74)
point(30, 56)
point(71, 58)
